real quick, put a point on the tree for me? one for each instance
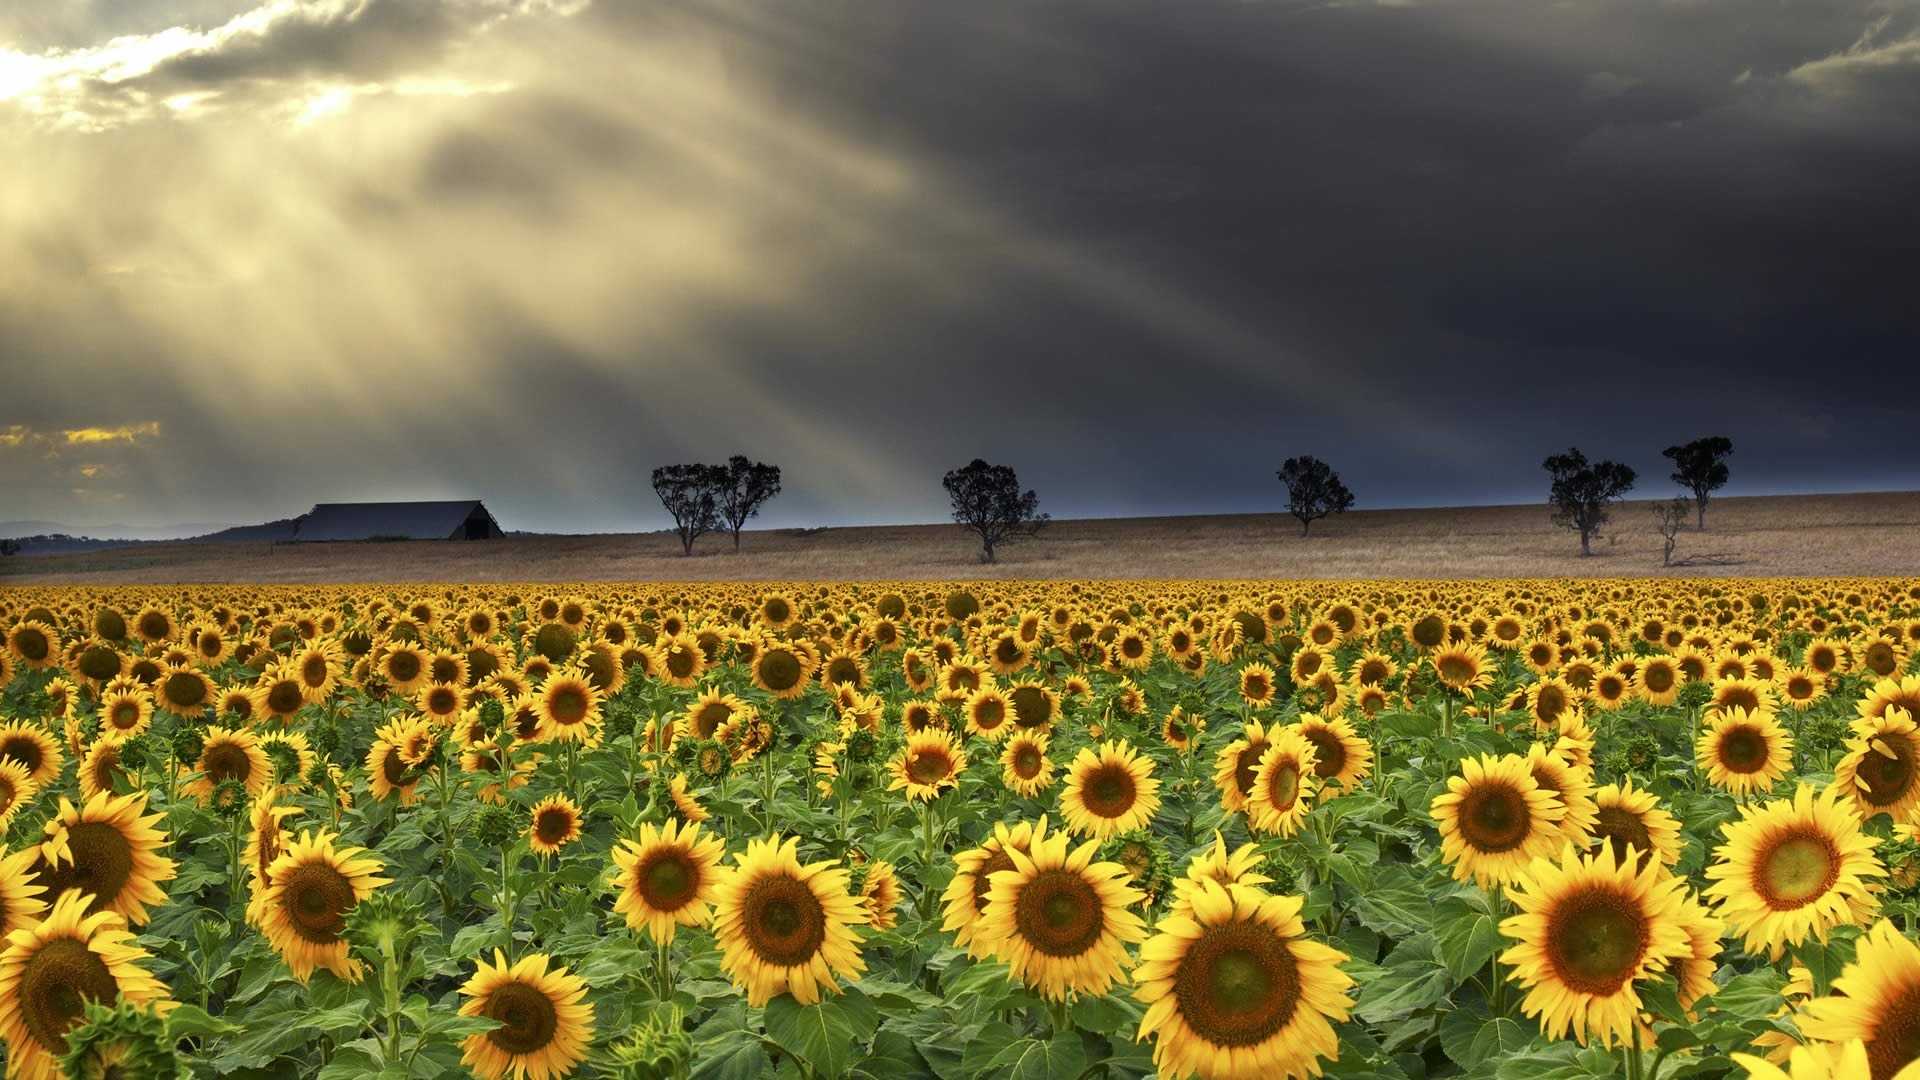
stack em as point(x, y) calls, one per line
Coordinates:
point(987, 499)
point(1314, 490)
point(691, 494)
point(1669, 517)
point(9, 546)
point(1701, 467)
point(1582, 491)
point(749, 484)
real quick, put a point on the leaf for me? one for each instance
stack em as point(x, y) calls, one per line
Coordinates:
point(982, 1047)
point(893, 1058)
point(1470, 1039)
point(737, 1055)
point(351, 1063)
point(1059, 1058)
point(822, 1034)
point(1413, 978)
point(1824, 960)
point(1110, 1014)
point(1394, 903)
point(1467, 936)
point(347, 1017)
point(191, 1020)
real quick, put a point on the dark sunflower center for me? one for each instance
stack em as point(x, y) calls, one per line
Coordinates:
point(1454, 669)
point(55, 985)
point(394, 769)
point(1595, 940)
point(102, 863)
point(1888, 779)
point(1372, 671)
point(668, 880)
point(156, 626)
point(1550, 704)
point(710, 717)
point(780, 670)
point(1796, 870)
point(99, 663)
point(990, 713)
point(23, 750)
point(783, 921)
point(1329, 754)
point(403, 667)
point(316, 898)
point(929, 768)
point(314, 671)
point(443, 701)
point(1255, 686)
point(225, 761)
point(1031, 708)
point(1881, 659)
point(1621, 829)
point(1743, 750)
point(680, 663)
point(1429, 632)
point(1658, 678)
point(1059, 913)
point(1739, 697)
point(1026, 762)
point(553, 825)
point(1247, 765)
point(1896, 1041)
point(568, 705)
point(1238, 985)
point(31, 644)
point(1494, 817)
point(527, 1015)
point(1284, 789)
point(1109, 792)
point(284, 697)
point(185, 690)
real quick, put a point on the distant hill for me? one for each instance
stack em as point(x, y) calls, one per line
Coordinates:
point(56, 541)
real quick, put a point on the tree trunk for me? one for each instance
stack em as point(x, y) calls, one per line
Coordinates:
point(736, 540)
point(1702, 507)
point(986, 551)
point(1305, 524)
point(1585, 550)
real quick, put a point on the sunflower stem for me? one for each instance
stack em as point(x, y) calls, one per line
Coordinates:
point(663, 970)
point(506, 894)
point(926, 873)
point(1636, 1069)
point(1062, 1016)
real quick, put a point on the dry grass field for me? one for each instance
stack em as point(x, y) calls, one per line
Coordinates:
point(1864, 534)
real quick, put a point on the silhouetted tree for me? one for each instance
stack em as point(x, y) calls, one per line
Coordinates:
point(1314, 490)
point(691, 493)
point(987, 499)
point(749, 484)
point(9, 546)
point(1669, 517)
point(1581, 492)
point(1701, 467)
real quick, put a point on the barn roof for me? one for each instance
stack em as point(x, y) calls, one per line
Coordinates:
point(407, 520)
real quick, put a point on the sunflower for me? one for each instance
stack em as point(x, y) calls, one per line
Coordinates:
point(783, 670)
point(310, 889)
point(1693, 973)
point(988, 712)
point(183, 691)
point(1589, 927)
point(1495, 818)
point(1024, 766)
point(1819, 1061)
point(569, 710)
point(33, 748)
point(1256, 685)
point(929, 763)
point(1794, 867)
point(20, 895)
point(1061, 920)
point(1633, 818)
point(265, 841)
point(1234, 988)
point(681, 660)
point(1876, 999)
point(318, 667)
point(100, 771)
point(1549, 700)
point(1572, 786)
point(544, 1029)
point(53, 969)
point(709, 712)
point(386, 765)
point(1888, 693)
point(1878, 770)
point(34, 644)
point(1752, 695)
point(1743, 752)
point(1800, 688)
point(668, 877)
point(1284, 784)
point(1658, 680)
point(17, 789)
point(684, 803)
point(1462, 668)
point(440, 702)
point(1217, 865)
point(1109, 790)
point(1341, 758)
point(964, 903)
point(106, 849)
point(880, 895)
point(405, 667)
point(553, 823)
point(1236, 764)
point(1575, 743)
point(786, 928)
point(277, 694)
point(230, 755)
point(1034, 705)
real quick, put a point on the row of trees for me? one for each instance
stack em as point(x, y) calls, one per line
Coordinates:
point(988, 501)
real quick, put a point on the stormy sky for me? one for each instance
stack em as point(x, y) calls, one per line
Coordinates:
point(256, 254)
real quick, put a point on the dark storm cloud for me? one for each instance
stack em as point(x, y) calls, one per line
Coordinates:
point(1142, 250)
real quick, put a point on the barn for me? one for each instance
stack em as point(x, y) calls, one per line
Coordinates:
point(466, 519)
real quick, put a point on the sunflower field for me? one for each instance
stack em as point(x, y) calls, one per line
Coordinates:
point(1509, 830)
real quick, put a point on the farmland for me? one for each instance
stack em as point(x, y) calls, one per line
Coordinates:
point(1760, 536)
point(1395, 829)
